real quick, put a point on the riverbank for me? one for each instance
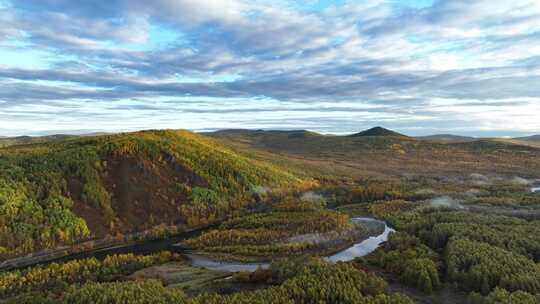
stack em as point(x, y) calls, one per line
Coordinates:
point(143, 242)
point(322, 244)
point(352, 249)
point(356, 249)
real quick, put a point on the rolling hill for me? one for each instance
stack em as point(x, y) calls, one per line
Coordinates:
point(383, 156)
point(377, 131)
point(61, 192)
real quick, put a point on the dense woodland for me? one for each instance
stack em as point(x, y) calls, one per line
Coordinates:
point(56, 277)
point(62, 192)
point(492, 255)
point(416, 264)
point(469, 237)
point(302, 280)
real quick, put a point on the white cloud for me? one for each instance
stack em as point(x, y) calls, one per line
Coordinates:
point(457, 60)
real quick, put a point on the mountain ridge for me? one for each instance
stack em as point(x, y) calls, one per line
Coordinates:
point(377, 131)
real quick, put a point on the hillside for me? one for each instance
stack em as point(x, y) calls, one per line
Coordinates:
point(61, 192)
point(377, 131)
point(275, 134)
point(446, 138)
point(534, 138)
point(362, 157)
point(530, 143)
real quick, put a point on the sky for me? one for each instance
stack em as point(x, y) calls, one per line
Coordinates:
point(468, 67)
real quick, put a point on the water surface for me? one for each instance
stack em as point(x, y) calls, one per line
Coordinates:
point(148, 247)
point(362, 248)
point(359, 249)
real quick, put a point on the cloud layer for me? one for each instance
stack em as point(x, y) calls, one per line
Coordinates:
point(468, 67)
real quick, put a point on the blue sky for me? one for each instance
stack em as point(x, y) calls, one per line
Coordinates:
point(468, 67)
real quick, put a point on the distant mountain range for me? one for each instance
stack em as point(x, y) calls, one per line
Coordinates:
point(373, 132)
point(24, 140)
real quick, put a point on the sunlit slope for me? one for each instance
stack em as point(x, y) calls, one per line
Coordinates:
point(532, 143)
point(61, 192)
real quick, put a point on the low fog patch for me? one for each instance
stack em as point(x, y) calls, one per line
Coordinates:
point(445, 202)
point(521, 181)
point(312, 197)
point(473, 193)
point(480, 180)
point(425, 191)
point(331, 238)
point(260, 193)
point(260, 190)
point(314, 238)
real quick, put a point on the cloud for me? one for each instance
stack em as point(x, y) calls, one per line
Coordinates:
point(461, 64)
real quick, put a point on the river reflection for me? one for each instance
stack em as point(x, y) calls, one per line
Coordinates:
point(363, 248)
point(360, 249)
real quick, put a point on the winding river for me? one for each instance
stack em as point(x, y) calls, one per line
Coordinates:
point(364, 247)
point(359, 249)
point(148, 247)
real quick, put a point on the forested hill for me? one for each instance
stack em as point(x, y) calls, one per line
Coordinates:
point(64, 191)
